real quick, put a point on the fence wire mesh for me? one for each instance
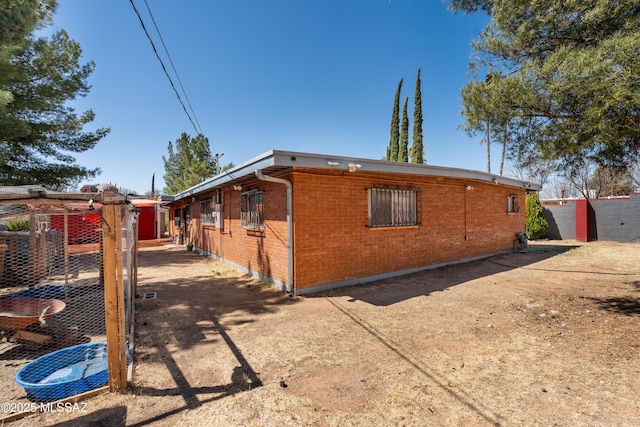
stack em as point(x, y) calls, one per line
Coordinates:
point(53, 327)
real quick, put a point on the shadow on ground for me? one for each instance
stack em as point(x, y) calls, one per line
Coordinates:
point(393, 290)
point(190, 308)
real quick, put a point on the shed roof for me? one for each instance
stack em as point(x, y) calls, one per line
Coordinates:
point(276, 161)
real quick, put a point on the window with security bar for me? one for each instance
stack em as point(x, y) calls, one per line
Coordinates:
point(512, 203)
point(206, 212)
point(210, 212)
point(392, 207)
point(252, 209)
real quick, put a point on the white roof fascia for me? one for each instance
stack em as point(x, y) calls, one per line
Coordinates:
point(323, 161)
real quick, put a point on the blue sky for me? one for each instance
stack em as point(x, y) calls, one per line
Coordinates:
point(315, 76)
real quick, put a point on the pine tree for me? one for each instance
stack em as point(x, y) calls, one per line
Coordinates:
point(570, 77)
point(403, 151)
point(394, 141)
point(39, 131)
point(189, 164)
point(417, 149)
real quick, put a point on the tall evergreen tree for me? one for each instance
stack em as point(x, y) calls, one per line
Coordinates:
point(417, 148)
point(190, 163)
point(573, 66)
point(394, 140)
point(17, 21)
point(403, 151)
point(38, 77)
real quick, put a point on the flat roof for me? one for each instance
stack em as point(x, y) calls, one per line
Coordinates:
point(275, 161)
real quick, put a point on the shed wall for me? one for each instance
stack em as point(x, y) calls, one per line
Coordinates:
point(597, 219)
point(562, 221)
point(617, 219)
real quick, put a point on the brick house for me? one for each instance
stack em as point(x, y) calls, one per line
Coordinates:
point(311, 222)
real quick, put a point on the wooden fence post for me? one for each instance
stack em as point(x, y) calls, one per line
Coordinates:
point(114, 296)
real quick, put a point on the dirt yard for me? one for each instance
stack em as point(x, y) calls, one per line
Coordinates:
point(543, 338)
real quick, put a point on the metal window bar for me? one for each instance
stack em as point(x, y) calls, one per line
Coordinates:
point(391, 207)
point(512, 203)
point(252, 209)
point(206, 212)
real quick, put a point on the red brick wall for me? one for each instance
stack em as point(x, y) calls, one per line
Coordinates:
point(332, 242)
point(260, 251)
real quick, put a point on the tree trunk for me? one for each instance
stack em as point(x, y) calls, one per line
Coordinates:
point(504, 148)
point(488, 148)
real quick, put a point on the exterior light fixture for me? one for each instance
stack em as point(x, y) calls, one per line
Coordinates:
point(332, 163)
point(354, 167)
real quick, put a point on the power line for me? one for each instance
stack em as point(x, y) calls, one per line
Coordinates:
point(173, 66)
point(153, 46)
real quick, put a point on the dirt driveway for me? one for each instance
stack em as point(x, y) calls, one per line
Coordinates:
point(547, 337)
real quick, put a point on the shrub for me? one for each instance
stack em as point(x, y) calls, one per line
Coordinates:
point(19, 225)
point(537, 225)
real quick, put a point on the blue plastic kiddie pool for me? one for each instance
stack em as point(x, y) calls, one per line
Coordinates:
point(66, 372)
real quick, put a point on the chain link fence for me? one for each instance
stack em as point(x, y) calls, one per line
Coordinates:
point(67, 288)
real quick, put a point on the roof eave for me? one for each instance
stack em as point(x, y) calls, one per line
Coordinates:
point(290, 159)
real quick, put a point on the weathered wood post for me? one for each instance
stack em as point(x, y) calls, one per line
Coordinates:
point(113, 290)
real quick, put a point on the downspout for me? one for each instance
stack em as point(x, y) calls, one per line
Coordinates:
point(262, 177)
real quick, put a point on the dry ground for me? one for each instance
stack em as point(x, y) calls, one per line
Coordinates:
point(548, 337)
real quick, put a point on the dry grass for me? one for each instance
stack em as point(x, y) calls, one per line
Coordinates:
point(544, 338)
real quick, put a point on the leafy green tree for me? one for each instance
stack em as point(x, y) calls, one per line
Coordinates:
point(403, 151)
point(39, 131)
point(537, 225)
point(394, 140)
point(417, 147)
point(573, 70)
point(190, 163)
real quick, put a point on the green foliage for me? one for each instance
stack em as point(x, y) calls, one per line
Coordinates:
point(569, 77)
point(417, 148)
point(190, 163)
point(19, 225)
point(537, 225)
point(403, 150)
point(394, 138)
point(38, 77)
point(398, 149)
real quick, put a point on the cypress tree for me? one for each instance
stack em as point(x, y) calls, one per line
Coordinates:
point(417, 150)
point(403, 151)
point(537, 224)
point(394, 140)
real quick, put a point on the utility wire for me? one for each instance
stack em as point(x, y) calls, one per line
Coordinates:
point(163, 67)
point(173, 66)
